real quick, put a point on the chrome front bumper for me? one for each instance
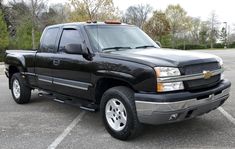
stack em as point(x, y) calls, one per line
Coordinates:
point(167, 112)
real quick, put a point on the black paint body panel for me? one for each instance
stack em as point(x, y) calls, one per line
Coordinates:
point(62, 73)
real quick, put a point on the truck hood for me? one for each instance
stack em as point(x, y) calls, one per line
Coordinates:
point(166, 57)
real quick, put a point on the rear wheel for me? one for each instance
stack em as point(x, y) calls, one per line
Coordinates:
point(20, 92)
point(119, 113)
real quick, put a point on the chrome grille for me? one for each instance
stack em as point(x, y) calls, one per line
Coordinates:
point(201, 83)
point(199, 68)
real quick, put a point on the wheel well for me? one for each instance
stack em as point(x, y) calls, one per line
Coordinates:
point(12, 70)
point(107, 83)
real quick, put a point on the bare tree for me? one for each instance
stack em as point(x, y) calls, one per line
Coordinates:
point(195, 30)
point(137, 15)
point(176, 16)
point(36, 8)
point(93, 10)
point(157, 26)
point(27, 10)
point(214, 31)
point(62, 11)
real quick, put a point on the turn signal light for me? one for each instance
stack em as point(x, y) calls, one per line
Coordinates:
point(160, 87)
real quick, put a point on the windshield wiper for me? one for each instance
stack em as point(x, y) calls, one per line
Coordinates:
point(146, 46)
point(115, 48)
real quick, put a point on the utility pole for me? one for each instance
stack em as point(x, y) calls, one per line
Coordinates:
point(212, 32)
point(228, 38)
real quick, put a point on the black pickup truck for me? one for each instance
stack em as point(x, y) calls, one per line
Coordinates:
point(118, 69)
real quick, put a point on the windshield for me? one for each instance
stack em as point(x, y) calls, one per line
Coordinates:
point(118, 37)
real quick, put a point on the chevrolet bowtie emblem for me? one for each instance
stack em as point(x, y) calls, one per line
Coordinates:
point(207, 74)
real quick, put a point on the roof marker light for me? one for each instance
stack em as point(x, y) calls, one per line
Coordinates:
point(112, 22)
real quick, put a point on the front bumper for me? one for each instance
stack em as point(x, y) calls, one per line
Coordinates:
point(174, 107)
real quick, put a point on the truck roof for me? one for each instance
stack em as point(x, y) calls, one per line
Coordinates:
point(88, 23)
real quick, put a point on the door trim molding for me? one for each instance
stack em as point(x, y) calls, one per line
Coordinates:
point(65, 82)
point(72, 84)
point(45, 78)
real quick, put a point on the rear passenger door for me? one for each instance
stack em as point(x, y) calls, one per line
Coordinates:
point(44, 62)
point(70, 73)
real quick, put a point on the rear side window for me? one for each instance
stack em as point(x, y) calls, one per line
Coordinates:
point(70, 36)
point(49, 40)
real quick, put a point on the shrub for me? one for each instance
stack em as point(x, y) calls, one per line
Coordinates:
point(191, 46)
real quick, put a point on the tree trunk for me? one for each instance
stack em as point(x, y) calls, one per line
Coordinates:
point(212, 45)
point(33, 38)
point(173, 41)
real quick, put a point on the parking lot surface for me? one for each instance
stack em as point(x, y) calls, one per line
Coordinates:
point(44, 123)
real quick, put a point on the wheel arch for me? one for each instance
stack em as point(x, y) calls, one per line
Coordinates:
point(12, 69)
point(103, 84)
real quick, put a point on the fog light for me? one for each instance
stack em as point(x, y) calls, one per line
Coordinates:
point(173, 117)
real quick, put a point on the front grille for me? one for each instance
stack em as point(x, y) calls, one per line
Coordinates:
point(199, 68)
point(201, 83)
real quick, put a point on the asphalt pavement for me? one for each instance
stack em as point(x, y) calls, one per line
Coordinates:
point(1, 69)
point(44, 123)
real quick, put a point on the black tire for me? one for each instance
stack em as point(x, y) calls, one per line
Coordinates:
point(25, 91)
point(126, 96)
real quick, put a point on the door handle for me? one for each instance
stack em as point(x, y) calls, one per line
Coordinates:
point(56, 62)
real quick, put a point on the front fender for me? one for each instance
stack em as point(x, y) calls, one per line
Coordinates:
point(140, 77)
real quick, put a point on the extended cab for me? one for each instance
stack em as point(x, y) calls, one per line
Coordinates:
point(120, 70)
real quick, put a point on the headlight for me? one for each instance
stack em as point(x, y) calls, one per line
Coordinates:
point(221, 63)
point(168, 72)
point(174, 86)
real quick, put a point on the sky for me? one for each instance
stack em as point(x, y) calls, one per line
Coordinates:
point(225, 9)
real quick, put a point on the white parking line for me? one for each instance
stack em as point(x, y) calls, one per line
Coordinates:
point(61, 137)
point(227, 115)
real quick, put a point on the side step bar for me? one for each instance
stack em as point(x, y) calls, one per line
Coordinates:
point(88, 107)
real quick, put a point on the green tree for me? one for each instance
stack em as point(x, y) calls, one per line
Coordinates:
point(204, 33)
point(23, 37)
point(25, 11)
point(4, 38)
point(223, 36)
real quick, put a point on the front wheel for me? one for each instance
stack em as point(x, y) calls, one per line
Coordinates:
point(20, 92)
point(119, 113)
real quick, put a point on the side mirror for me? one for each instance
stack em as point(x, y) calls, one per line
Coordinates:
point(74, 49)
point(159, 44)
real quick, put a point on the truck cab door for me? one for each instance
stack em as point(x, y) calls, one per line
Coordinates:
point(44, 62)
point(70, 72)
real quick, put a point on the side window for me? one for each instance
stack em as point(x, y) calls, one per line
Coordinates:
point(49, 39)
point(70, 36)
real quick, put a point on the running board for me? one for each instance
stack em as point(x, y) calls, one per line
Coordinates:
point(89, 107)
point(82, 105)
point(60, 101)
point(45, 94)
